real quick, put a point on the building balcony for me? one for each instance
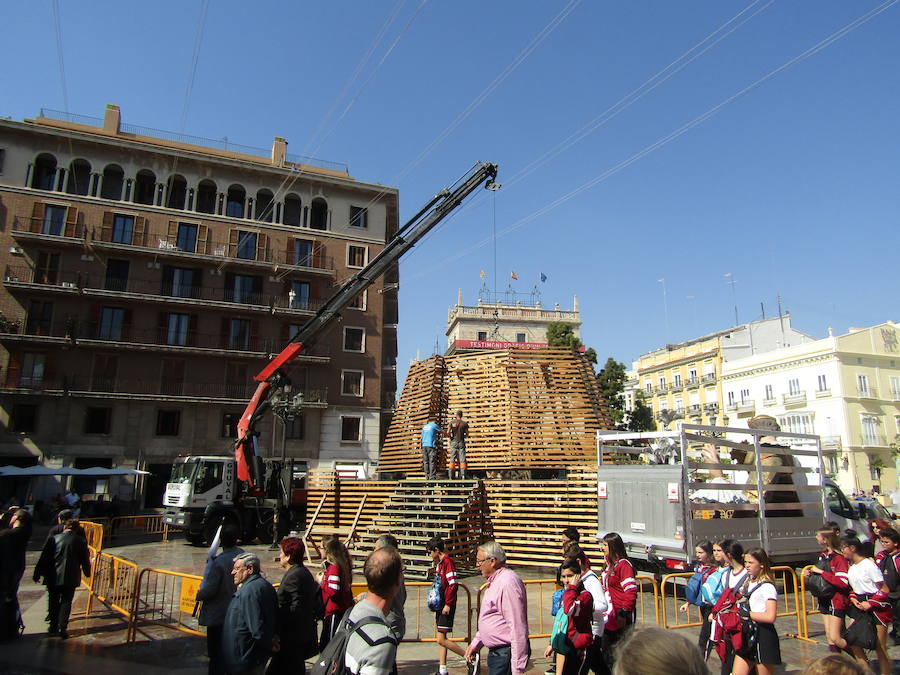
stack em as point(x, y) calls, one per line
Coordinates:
point(662, 389)
point(831, 442)
point(709, 378)
point(164, 246)
point(823, 393)
point(677, 386)
point(868, 392)
point(124, 388)
point(731, 406)
point(874, 441)
point(798, 398)
point(711, 408)
point(122, 336)
point(73, 283)
point(746, 406)
point(695, 410)
point(895, 394)
point(768, 402)
point(692, 382)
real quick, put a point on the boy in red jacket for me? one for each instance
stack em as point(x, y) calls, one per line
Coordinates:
point(446, 570)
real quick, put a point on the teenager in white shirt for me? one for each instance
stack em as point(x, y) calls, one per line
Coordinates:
point(760, 593)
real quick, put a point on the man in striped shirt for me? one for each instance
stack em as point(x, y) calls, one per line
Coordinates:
point(446, 571)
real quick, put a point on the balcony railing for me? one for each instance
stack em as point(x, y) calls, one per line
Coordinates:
point(661, 389)
point(711, 407)
point(43, 226)
point(170, 338)
point(151, 387)
point(709, 377)
point(731, 405)
point(748, 405)
point(876, 440)
point(73, 281)
point(831, 442)
point(692, 382)
point(694, 409)
point(867, 392)
point(798, 398)
point(677, 386)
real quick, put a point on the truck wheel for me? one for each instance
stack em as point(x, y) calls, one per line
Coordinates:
point(265, 532)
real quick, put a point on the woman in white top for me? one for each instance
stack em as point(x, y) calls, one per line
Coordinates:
point(760, 593)
point(868, 593)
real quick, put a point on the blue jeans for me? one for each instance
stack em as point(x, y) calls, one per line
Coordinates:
point(500, 660)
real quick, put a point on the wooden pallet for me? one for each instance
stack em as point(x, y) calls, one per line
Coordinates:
point(526, 409)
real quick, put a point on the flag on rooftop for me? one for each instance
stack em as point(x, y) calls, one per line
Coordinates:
point(513, 275)
point(543, 277)
point(482, 274)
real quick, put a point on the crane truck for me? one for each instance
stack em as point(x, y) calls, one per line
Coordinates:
point(265, 497)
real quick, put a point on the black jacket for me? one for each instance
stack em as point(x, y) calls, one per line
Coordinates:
point(63, 560)
point(13, 544)
point(297, 596)
point(249, 625)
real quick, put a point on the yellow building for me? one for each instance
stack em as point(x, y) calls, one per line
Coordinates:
point(682, 381)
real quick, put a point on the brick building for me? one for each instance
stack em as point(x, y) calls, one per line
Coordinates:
point(149, 276)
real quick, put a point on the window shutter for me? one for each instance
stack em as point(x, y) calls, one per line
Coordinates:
point(318, 255)
point(291, 252)
point(37, 217)
point(140, 231)
point(254, 335)
point(173, 231)
point(49, 369)
point(71, 221)
point(262, 241)
point(126, 324)
point(257, 287)
point(192, 330)
point(107, 228)
point(162, 328)
point(94, 331)
point(233, 236)
point(202, 237)
point(13, 369)
point(226, 329)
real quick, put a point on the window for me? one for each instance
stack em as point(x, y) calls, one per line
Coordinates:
point(181, 282)
point(167, 422)
point(239, 334)
point(293, 429)
point(206, 196)
point(23, 418)
point(144, 187)
point(234, 203)
point(299, 295)
point(821, 383)
point(895, 387)
point(229, 424)
point(172, 378)
point(246, 248)
point(870, 433)
point(303, 252)
point(352, 383)
point(177, 192)
point(356, 256)
point(862, 384)
point(797, 423)
point(745, 395)
point(648, 387)
point(46, 271)
point(730, 398)
point(520, 337)
point(662, 383)
point(692, 375)
point(123, 229)
point(677, 380)
point(265, 210)
point(794, 387)
point(897, 423)
point(292, 210)
point(33, 370)
point(187, 237)
point(116, 275)
point(359, 302)
point(243, 288)
point(837, 503)
point(97, 420)
point(79, 178)
point(769, 394)
point(679, 405)
point(111, 321)
point(2, 158)
point(104, 375)
point(177, 327)
point(44, 175)
point(350, 428)
point(359, 217)
point(318, 215)
point(236, 380)
point(40, 317)
point(354, 339)
point(113, 179)
point(293, 329)
point(54, 220)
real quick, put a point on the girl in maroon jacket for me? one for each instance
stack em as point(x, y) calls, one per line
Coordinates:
point(337, 593)
point(578, 604)
point(833, 609)
point(621, 591)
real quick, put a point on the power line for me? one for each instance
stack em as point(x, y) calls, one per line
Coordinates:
point(819, 46)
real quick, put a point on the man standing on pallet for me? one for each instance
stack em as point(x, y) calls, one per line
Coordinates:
point(459, 430)
point(430, 433)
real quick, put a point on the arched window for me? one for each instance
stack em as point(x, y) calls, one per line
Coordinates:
point(264, 207)
point(206, 196)
point(177, 192)
point(292, 210)
point(113, 178)
point(79, 180)
point(144, 187)
point(234, 205)
point(44, 175)
point(318, 216)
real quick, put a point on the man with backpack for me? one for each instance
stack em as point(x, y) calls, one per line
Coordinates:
point(364, 642)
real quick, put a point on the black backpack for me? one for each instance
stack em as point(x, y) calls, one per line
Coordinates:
point(332, 660)
point(891, 576)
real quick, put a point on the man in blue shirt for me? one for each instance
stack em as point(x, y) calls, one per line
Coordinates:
point(430, 433)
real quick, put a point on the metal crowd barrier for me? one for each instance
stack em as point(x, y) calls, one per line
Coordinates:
point(140, 524)
point(359, 589)
point(165, 598)
point(112, 582)
point(93, 531)
point(806, 600)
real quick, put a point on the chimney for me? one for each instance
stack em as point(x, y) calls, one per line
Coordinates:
point(112, 118)
point(279, 150)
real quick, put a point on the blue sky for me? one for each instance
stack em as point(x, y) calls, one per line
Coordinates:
point(792, 186)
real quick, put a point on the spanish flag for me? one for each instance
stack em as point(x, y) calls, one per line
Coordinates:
point(513, 275)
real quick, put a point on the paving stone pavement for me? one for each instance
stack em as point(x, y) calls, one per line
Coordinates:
point(97, 645)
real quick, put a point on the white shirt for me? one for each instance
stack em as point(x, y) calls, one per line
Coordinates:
point(760, 593)
point(735, 579)
point(865, 577)
point(593, 586)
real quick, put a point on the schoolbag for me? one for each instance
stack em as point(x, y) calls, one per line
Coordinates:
point(332, 660)
point(695, 583)
point(891, 576)
point(559, 635)
point(711, 589)
point(436, 594)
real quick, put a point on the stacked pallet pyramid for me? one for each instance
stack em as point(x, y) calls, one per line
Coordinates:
point(526, 409)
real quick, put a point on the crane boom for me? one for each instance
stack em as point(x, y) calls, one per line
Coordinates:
point(272, 376)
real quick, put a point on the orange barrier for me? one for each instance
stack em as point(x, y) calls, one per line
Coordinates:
point(140, 524)
point(805, 611)
point(665, 582)
point(421, 608)
point(93, 532)
point(165, 598)
point(112, 582)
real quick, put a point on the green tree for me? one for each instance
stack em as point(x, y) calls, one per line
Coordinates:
point(641, 416)
point(612, 383)
point(560, 334)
